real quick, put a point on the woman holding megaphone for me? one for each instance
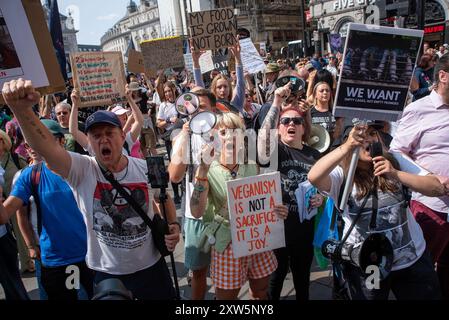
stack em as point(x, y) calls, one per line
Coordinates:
point(378, 207)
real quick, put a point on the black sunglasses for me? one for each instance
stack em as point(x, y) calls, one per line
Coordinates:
point(296, 120)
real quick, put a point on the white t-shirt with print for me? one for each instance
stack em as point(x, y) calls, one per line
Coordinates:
point(118, 240)
point(166, 111)
point(398, 224)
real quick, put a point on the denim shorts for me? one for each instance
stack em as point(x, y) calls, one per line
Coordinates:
point(194, 259)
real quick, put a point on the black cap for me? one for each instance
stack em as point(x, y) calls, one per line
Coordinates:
point(103, 117)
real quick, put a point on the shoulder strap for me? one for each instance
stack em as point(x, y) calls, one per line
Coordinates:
point(15, 159)
point(137, 208)
point(126, 146)
point(35, 179)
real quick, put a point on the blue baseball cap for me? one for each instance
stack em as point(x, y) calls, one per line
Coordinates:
point(102, 117)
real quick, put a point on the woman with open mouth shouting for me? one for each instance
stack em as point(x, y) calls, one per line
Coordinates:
point(287, 121)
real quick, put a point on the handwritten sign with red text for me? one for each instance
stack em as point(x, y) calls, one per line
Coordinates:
point(99, 77)
point(255, 228)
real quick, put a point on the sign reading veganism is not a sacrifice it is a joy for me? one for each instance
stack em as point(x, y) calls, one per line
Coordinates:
point(255, 228)
point(99, 77)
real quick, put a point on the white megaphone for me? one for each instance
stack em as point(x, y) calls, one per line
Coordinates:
point(319, 138)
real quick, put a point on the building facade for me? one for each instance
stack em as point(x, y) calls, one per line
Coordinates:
point(173, 14)
point(88, 48)
point(273, 22)
point(140, 23)
point(334, 16)
point(68, 31)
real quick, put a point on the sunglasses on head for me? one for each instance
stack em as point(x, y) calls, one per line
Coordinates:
point(296, 120)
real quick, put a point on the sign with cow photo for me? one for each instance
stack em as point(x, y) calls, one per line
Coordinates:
point(377, 71)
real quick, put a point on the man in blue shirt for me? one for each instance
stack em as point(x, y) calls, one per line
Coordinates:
point(62, 232)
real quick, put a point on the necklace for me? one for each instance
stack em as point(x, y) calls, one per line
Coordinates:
point(233, 172)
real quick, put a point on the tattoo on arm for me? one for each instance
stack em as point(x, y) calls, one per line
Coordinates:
point(196, 195)
point(271, 122)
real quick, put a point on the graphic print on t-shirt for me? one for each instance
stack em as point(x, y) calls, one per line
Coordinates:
point(391, 221)
point(115, 221)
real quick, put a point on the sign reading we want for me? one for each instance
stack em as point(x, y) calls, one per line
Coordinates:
point(99, 77)
point(213, 29)
point(255, 228)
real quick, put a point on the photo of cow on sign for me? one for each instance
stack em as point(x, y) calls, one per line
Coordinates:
point(255, 227)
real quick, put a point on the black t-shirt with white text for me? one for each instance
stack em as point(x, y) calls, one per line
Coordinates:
point(294, 165)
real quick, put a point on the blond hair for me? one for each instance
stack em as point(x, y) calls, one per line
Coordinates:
point(213, 86)
point(230, 120)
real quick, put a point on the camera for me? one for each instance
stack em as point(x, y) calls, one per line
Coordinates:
point(111, 289)
point(157, 174)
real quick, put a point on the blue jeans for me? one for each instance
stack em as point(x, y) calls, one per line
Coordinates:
point(9, 269)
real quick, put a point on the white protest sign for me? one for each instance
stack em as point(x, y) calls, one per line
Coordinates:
point(206, 62)
point(251, 59)
point(255, 228)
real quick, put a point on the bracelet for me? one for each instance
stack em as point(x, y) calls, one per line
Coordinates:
point(201, 179)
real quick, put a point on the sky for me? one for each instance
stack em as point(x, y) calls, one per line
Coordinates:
point(93, 17)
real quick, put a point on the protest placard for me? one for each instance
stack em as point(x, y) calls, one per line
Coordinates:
point(206, 62)
point(213, 29)
point(255, 228)
point(162, 53)
point(99, 77)
point(377, 71)
point(26, 47)
point(251, 59)
point(135, 62)
point(221, 63)
point(336, 43)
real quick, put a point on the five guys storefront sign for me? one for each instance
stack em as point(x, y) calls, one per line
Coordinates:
point(434, 29)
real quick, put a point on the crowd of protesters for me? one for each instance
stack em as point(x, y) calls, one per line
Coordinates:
point(58, 208)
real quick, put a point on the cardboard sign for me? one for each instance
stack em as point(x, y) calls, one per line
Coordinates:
point(377, 70)
point(251, 59)
point(213, 29)
point(163, 53)
point(255, 228)
point(206, 62)
point(27, 49)
point(135, 62)
point(99, 77)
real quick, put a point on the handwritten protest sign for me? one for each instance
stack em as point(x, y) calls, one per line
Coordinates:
point(135, 62)
point(99, 77)
point(377, 70)
point(255, 227)
point(162, 53)
point(251, 59)
point(206, 62)
point(213, 29)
